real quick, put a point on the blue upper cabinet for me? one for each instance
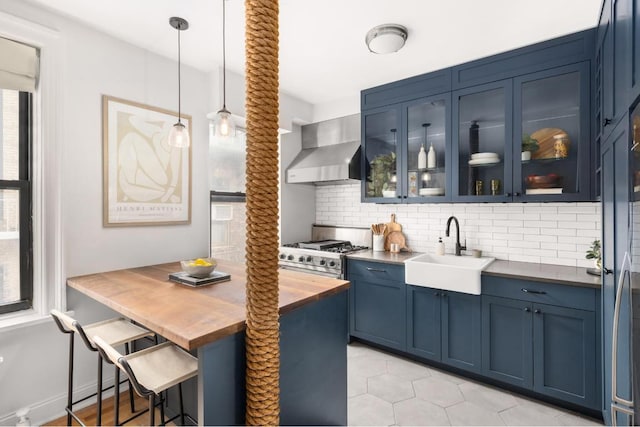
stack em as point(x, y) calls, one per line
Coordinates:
point(475, 117)
point(407, 151)
point(381, 145)
point(634, 48)
point(482, 143)
point(552, 135)
point(538, 57)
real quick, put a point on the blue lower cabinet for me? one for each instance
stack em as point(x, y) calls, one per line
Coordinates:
point(444, 326)
point(424, 337)
point(461, 330)
point(377, 311)
point(564, 354)
point(549, 349)
point(507, 347)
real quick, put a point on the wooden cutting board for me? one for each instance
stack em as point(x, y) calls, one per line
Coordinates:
point(392, 226)
point(546, 142)
point(396, 237)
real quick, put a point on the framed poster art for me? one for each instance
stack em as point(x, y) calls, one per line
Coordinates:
point(146, 181)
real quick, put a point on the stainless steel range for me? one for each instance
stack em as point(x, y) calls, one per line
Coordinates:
point(325, 253)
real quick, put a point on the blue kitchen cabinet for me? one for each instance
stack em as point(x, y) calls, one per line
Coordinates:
point(507, 347)
point(382, 134)
point(377, 303)
point(401, 131)
point(461, 329)
point(444, 326)
point(615, 241)
point(564, 354)
point(424, 337)
point(551, 106)
point(485, 106)
point(615, 48)
point(542, 337)
point(634, 48)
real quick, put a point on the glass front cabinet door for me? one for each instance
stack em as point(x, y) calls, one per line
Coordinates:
point(381, 166)
point(427, 150)
point(551, 135)
point(482, 143)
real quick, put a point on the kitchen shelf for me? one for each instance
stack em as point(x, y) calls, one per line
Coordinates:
point(547, 160)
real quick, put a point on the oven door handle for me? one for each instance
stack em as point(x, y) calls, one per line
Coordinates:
point(376, 270)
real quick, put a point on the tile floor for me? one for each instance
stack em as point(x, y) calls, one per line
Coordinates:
point(385, 389)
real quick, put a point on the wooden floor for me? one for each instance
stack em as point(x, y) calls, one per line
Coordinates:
point(88, 414)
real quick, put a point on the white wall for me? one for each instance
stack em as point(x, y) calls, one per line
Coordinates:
point(33, 372)
point(548, 233)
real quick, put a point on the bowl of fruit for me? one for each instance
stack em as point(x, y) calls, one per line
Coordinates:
point(199, 267)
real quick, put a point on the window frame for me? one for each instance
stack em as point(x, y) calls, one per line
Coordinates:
point(23, 184)
point(48, 260)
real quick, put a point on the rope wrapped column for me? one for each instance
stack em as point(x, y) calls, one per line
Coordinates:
point(262, 334)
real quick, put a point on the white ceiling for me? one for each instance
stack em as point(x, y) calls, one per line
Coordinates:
point(323, 57)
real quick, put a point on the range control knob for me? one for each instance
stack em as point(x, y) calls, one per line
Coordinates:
point(290, 257)
point(300, 258)
point(309, 258)
point(322, 262)
point(332, 263)
point(282, 256)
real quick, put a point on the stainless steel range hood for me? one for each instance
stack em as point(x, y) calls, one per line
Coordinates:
point(330, 153)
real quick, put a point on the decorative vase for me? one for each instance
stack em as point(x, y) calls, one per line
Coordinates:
point(526, 156)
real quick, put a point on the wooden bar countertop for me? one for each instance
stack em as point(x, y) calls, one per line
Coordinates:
point(193, 317)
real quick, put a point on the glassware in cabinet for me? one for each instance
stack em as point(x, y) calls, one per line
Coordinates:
point(481, 140)
point(427, 148)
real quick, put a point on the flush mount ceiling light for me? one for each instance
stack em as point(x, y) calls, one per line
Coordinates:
point(179, 134)
point(386, 38)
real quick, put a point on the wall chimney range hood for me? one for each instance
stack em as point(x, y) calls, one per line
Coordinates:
point(330, 153)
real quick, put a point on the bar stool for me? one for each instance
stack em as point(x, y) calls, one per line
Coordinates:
point(116, 331)
point(153, 370)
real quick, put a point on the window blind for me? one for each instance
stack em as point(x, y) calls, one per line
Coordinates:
point(18, 66)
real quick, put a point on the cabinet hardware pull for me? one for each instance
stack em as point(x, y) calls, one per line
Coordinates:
point(607, 270)
point(377, 270)
point(529, 291)
point(606, 122)
point(527, 309)
point(536, 311)
point(507, 194)
point(437, 294)
point(516, 194)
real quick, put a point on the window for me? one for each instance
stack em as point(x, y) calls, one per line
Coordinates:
point(16, 278)
point(227, 179)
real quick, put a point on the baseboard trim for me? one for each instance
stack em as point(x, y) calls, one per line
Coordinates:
point(52, 408)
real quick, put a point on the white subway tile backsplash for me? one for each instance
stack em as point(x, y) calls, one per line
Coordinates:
point(554, 233)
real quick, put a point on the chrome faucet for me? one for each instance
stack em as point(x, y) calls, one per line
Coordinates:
point(459, 247)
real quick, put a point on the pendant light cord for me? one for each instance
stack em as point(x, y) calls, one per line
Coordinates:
point(224, 57)
point(179, 94)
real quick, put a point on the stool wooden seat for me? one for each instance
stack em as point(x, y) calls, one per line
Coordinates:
point(153, 370)
point(116, 331)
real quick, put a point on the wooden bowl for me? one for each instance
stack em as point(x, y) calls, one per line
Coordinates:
point(543, 181)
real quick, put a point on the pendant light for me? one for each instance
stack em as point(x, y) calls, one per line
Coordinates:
point(179, 134)
point(223, 124)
